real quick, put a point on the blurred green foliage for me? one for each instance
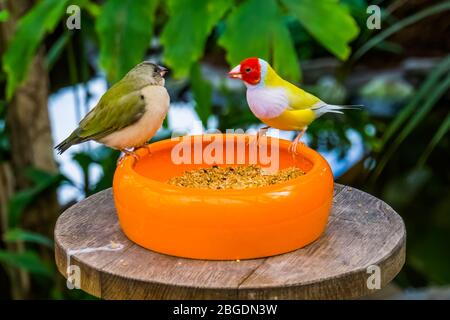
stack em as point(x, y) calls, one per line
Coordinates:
point(42, 181)
point(185, 34)
point(124, 29)
point(406, 168)
point(412, 175)
point(29, 35)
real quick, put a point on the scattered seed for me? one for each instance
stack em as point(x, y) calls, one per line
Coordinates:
point(114, 245)
point(237, 177)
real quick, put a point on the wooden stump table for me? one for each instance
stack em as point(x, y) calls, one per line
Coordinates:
point(364, 239)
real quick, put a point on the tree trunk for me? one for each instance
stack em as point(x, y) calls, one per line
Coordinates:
point(31, 143)
point(29, 134)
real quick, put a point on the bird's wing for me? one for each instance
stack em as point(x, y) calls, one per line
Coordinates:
point(299, 99)
point(114, 111)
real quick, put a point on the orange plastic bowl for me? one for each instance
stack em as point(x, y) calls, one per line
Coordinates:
point(221, 224)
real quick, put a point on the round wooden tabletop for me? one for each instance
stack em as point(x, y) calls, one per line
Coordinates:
point(362, 249)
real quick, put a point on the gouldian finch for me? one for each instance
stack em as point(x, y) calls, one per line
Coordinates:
point(128, 114)
point(278, 103)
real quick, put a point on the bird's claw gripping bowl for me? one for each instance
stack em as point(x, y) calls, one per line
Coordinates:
point(221, 224)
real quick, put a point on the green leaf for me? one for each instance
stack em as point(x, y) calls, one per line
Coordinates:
point(56, 49)
point(125, 29)
point(26, 260)
point(91, 7)
point(21, 200)
point(84, 160)
point(259, 30)
point(284, 57)
point(416, 119)
point(27, 236)
point(327, 21)
point(431, 256)
point(30, 32)
point(431, 99)
point(440, 133)
point(439, 8)
point(18, 203)
point(202, 91)
point(4, 15)
point(185, 34)
point(431, 81)
point(42, 178)
point(106, 158)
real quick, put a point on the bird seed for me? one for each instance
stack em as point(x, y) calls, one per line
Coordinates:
point(233, 177)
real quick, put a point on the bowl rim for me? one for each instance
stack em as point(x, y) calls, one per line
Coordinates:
point(129, 163)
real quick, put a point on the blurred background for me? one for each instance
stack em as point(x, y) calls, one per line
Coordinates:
point(392, 56)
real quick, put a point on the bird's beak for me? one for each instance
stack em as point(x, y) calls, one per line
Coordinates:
point(163, 71)
point(235, 73)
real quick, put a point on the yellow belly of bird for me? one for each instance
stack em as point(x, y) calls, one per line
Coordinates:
point(291, 120)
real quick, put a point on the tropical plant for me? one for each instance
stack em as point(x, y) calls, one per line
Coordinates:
point(117, 34)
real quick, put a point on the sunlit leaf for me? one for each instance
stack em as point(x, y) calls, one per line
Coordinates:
point(30, 32)
point(284, 57)
point(91, 7)
point(26, 236)
point(328, 21)
point(27, 260)
point(253, 29)
point(4, 15)
point(202, 91)
point(184, 36)
point(125, 29)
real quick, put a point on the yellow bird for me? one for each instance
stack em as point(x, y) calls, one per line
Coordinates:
point(278, 103)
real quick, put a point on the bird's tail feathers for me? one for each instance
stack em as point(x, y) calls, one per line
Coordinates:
point(322, 108)
point(67, 143)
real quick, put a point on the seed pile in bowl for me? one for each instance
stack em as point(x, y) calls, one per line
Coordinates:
point(233, 177)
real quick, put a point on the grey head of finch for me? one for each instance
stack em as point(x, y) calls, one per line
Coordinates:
point(147, 73)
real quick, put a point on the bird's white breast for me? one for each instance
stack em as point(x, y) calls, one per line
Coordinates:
point(156, 106)
point(267, 103)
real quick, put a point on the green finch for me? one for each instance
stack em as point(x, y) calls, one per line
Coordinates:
point(128, 114)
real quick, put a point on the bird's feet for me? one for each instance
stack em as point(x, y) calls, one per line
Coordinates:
point(146, 147)
point(126, 153)
point(293, 147)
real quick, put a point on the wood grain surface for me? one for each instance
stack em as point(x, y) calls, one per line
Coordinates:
point(362, 231)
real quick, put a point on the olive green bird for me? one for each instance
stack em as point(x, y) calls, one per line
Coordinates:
point(128, 114)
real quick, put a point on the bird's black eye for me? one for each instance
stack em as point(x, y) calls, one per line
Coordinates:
point(248, 70)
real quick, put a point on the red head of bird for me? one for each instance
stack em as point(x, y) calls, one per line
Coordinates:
point(251, 71)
